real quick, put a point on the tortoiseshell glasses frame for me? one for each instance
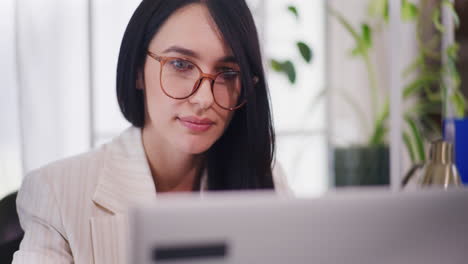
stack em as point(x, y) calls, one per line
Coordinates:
point(211, 77)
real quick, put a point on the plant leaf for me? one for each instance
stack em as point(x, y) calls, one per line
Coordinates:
point(417, 85)
point(425, 107)
point(409, 146)
point(436, 20)
point(286, 67)
point(351, 30)
point(433, 96)
point(378, 137)
point(459, 104)
point(275, 65)
point(380, 129)
point(451, 66)
point(293, 10)
point(366, 35)
point(409, 11)
point(417, 137)
point(364, 41)
point(452, 51)
point(379, 9)
point(456, 18)
point(305, 51)
point(289, 69)
point(356, 51)
point(415, 65)
point(431, 125)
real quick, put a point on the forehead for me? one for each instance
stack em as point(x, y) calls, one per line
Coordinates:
point(191, 27)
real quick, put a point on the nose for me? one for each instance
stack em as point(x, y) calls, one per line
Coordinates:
point(203, 97)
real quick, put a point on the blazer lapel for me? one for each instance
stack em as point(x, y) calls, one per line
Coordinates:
point(125, 181)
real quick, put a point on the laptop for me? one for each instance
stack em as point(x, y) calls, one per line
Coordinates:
point(352, 226)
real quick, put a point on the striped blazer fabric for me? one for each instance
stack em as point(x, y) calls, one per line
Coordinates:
point(75, 210)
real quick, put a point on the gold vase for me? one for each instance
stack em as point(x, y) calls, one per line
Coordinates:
point(439, 171)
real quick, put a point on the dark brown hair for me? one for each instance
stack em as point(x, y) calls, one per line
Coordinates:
point(242, 157)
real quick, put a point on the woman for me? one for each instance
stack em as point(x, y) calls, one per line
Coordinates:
point(191, 82)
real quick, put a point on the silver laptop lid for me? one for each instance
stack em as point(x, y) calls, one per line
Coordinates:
point(364, 227)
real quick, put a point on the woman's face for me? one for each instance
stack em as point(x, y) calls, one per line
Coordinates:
point(190, 125)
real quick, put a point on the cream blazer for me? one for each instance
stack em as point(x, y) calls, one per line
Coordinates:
point(75, 210)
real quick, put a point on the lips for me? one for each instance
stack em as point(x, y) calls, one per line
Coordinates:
point(195, 124)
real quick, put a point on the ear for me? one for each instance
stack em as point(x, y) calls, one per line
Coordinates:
point(140, 80)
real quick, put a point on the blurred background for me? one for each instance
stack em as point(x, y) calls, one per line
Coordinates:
point(331, 64)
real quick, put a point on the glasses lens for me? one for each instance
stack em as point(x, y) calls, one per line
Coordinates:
point(227, 89)
point(178, 77)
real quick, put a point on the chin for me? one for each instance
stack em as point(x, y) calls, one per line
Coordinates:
point(195, 145)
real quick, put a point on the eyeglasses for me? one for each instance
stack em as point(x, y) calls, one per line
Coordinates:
point(181, 78)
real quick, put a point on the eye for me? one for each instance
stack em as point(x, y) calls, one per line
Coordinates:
point(181, 65)
point(229, 75)
point(226, 69)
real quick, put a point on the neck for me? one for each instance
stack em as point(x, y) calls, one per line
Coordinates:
point(172, 170)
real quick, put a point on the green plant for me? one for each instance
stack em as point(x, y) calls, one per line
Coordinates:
point(425, 87)
point(286, 66)
point(427, 84)
point(363, 46)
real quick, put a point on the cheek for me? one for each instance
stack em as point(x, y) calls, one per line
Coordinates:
point(225, 116)
point(228, 118)
point(160, 107)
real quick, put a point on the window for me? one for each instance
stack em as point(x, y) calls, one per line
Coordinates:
point(10, 144)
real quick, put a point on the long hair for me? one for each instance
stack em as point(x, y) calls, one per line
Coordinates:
point(242, 157)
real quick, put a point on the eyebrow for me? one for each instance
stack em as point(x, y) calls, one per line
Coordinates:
point(193, 54)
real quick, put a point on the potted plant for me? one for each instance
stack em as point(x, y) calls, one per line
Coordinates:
point(368, 164)
point(364, 164)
